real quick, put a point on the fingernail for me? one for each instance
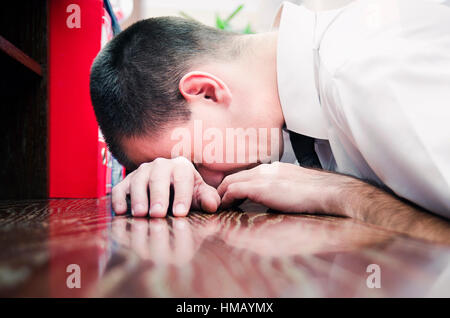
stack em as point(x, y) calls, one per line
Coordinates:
point(180, 209)
point(156, 208)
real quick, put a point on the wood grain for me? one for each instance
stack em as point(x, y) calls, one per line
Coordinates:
point(248, 253)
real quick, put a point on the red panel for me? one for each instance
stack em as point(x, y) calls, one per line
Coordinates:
point(73, 130)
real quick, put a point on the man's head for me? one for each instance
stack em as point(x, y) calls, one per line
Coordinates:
point(161, 74)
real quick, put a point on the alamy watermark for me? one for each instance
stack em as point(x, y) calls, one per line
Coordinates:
point(235, 145)
point(74, 279)
point(73, 20)
point(374, 279)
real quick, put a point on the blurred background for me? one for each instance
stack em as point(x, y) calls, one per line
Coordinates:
point(256, 13)
point(51, 144)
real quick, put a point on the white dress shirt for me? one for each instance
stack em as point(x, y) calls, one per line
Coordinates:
point(371, 83)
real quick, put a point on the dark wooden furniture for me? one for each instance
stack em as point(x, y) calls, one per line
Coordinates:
point(23, 99)
point(228, 254)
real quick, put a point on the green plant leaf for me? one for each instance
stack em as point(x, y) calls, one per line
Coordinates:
point(220, 24)
point(231, 16)
point(248, 29)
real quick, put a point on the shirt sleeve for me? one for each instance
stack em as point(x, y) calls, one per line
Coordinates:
point(393, 104)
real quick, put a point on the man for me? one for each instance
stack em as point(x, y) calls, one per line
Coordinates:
point(363, 90)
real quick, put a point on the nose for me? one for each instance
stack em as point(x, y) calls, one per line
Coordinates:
point(211, 177)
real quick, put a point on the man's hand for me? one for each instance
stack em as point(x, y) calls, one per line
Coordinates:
point(290, 188)
point(284, 187)
point(157, 177)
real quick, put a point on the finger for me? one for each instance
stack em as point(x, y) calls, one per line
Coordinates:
point(183, 185)
point(237, 191)
point(119, 196)
point(241, 176)
point(159, 184)
point(138, 191)
point(207, 198)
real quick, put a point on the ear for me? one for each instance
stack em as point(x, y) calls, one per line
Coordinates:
point(198, 85)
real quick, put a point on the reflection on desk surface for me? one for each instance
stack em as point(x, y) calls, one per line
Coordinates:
point(249, 253)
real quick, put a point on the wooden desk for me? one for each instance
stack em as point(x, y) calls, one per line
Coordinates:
point(229, 254)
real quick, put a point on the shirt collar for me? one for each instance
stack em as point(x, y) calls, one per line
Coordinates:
point(295, 71)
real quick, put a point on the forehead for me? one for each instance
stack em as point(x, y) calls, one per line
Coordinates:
point(146, 148)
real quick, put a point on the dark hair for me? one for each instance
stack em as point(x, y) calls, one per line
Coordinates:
point(134, 79)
